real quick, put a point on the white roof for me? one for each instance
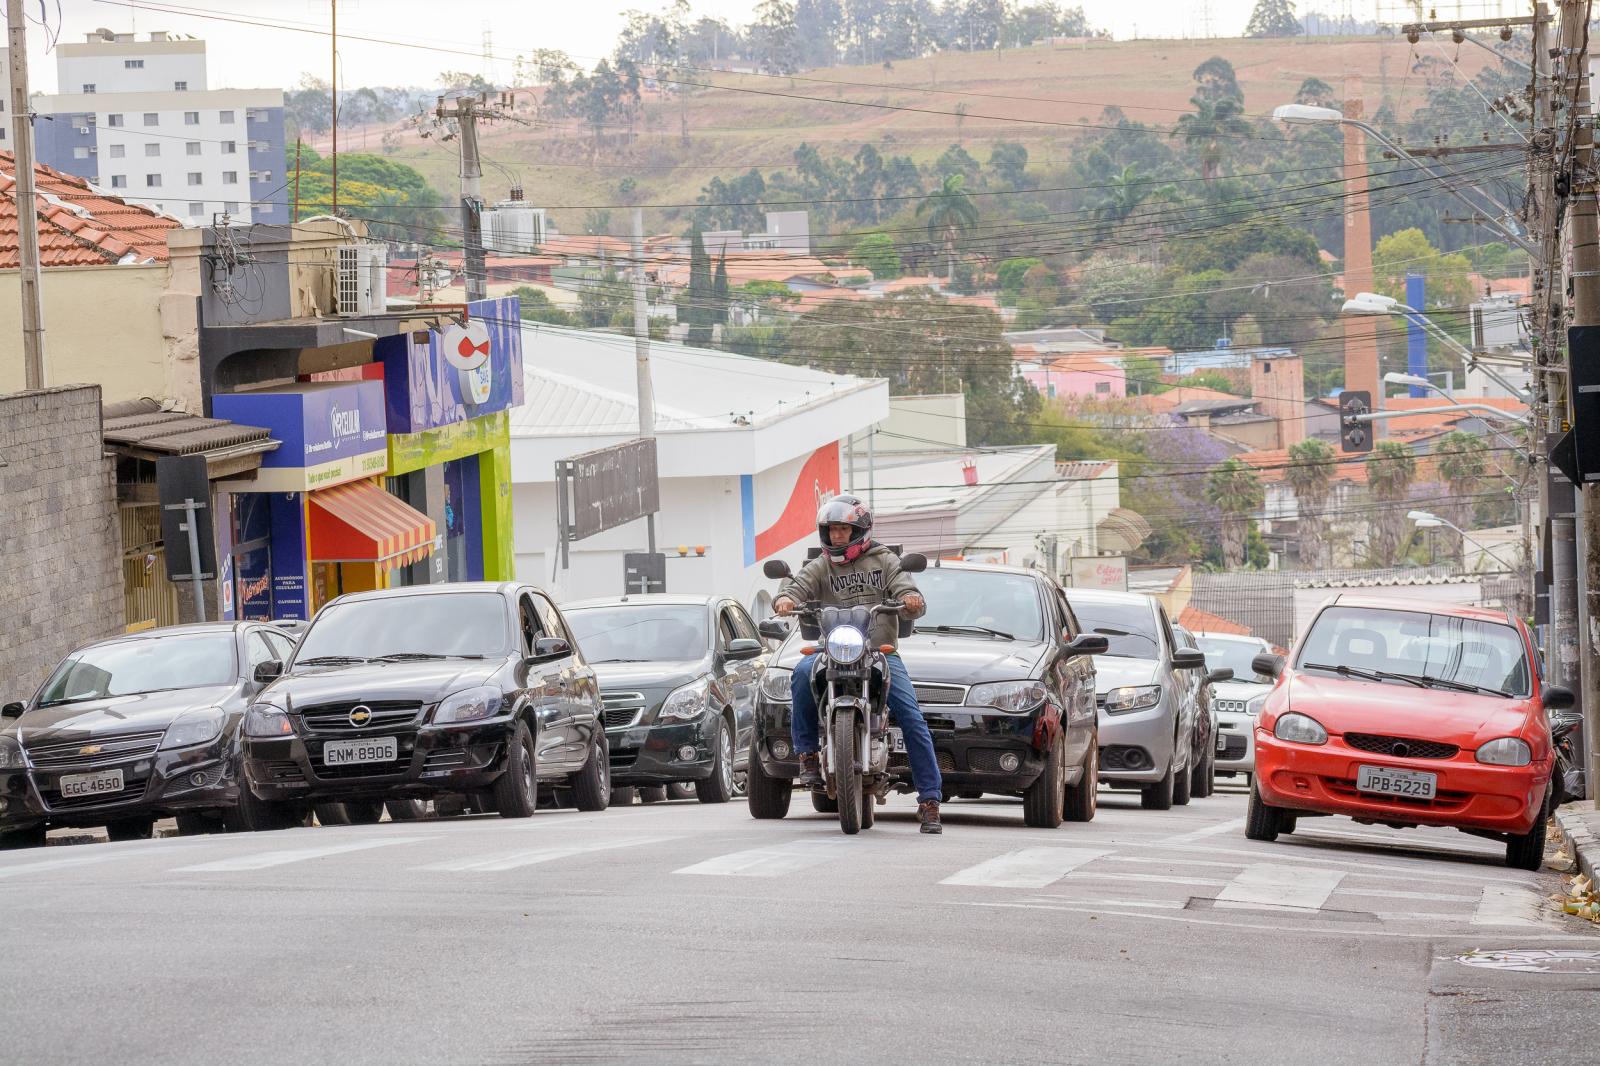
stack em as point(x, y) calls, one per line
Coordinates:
point(933, 479)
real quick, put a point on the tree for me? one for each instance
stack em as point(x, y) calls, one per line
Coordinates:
point(1009, 161)
point(1390, 470)
point(1310, 475)
point(1125, 194)
point(537, 307)
point(1217, 81)
point(699, 295)
point(719, 290)
point(876, 252)
point(1463, 461)
point(950, 213)
point(1235, 490)
point(1204, 131)
point(1010, 274)
point(773, 40)
point(1273, 18)
point(603, 300)
point(1317, 93)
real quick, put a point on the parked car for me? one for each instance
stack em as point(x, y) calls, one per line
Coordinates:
point(678, 677)
point(1202, 687)
point(1003, 673)
point(1147, 725)
point(1404, 714)
point(136, 728)
point(1237, 701)
point(473, 689)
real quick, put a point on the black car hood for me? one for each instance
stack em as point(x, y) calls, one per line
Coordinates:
point(428, 681)
point(648, 675)
point(954, 659)
point(117, 714)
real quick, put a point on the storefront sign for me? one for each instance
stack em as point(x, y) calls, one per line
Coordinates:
point(431, 447)
point(457, 374)
point(330, 433)
point(1107, 572)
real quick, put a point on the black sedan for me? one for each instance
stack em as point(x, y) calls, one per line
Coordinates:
point(474, 691)
point(136, 728)
point(678, 675)
point(1004, 677)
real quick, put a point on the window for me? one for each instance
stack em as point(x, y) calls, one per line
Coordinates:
point(152, 119)
point(80, 153)
point(152, 181)
point(88, 87)
point(230, 148)
point(191, 118)
point(133, 64)
point(230, 177)
point(225, 117)
point(152, 149)
point(1418, 643)
point(259, 146)
point(180, 86)
point(231, 207)
point(119, 181)
point(196, 178)
point(197, 208)
point(254, 116)
point(118, 151)
point(113, 120)
point(191, 148)
point(282, 644)
point(1102, 388)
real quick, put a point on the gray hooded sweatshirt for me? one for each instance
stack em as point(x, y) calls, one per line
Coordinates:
point(872, 578)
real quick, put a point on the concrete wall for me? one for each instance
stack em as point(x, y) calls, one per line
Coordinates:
point(916, 423)
point(1277, 384)
point(103, 326)
point(60, 552)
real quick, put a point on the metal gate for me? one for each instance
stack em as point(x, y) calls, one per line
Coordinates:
point(148, 598)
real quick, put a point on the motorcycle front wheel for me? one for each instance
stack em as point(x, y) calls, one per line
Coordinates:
point(846, 778)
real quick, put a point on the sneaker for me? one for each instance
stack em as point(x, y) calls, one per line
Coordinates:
point(810, 768)
point(928, 815)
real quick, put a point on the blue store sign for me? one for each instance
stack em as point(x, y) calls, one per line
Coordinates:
point(329, 433)
point(457, 373)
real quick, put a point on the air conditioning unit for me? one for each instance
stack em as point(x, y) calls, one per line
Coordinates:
point(363, 280)
point(85, 130)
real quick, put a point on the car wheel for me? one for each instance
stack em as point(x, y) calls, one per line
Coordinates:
point(408, 810)
point(1083, 799)
point(252, 815)
point(622, 797)
point(516, 791)
point(1042, 802)
point(681, 790)
point(1262, 822)
point(1158, 797)
point(331, 813)
point(822, 804)
point(768, 797)
point(1202, 781)
point(131, 829)
point(1287, 823)
point(652, 794)
point(591, 786)
point(718, 788)
point(1181, 786)
point(32, 837)
point(740, 783)
point(364, 812)
point(1525, 851)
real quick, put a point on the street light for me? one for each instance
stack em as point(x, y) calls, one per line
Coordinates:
point(1429, 520)
point(1372, 303)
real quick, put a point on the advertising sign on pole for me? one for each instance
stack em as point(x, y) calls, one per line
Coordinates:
point(608, 487)
point(1106, 572)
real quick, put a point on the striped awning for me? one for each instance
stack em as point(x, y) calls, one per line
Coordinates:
point(358, 522)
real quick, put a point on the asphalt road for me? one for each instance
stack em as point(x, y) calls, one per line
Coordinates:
point(683, 933)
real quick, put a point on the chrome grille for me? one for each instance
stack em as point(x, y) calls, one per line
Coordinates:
point(1230, 706)
point(938, 694)
point(622, 709)
point(68, 754)
point(335, 717)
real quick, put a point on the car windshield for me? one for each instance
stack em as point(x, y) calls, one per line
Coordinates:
point(1235, 655)
point(430, 625)
point(640, 632)
point(148, 664)
point(1438, 650)
point(981, 600)
point(1130, 627)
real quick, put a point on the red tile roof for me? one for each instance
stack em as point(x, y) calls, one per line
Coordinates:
point(77, 225)
point(1197, 621)
point(1404, 424)
point(1272, 465)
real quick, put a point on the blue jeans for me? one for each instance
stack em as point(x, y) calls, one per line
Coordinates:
point(903, 711)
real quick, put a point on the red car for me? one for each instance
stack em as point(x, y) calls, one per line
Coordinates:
point(1406, 714)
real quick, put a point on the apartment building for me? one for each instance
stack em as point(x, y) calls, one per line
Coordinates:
point(135, 117)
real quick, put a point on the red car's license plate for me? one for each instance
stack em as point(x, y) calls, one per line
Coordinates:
point(1412, 784)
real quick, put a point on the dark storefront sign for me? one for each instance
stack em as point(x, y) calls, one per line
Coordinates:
point(427, 385)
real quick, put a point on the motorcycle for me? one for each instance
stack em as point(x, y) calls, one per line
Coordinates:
point(1567, 783)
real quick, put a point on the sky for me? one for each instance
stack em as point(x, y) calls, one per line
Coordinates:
point(243, 56)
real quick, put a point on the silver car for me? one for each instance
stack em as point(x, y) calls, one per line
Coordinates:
point(1237, 702)
point(1146, 721)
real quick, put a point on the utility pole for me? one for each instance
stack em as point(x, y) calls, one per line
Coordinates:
point(641, 353)
point(465, 111)
point(27, 210)
point(333, 100)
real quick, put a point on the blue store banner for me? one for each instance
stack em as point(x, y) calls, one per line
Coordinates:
point(426, 383)
point(328, 432)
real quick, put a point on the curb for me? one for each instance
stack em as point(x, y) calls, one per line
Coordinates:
point(1580, 829)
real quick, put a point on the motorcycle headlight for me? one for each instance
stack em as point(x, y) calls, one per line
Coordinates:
point(1300, 729)
point(1507, 751)
point(846, 644)
point(1253, 708)
point(687, 702)
point(1132, 698)
point(11, 755)
point(775, 682)
point(1017, 697)
point(265, 720)
point(469, 705)
point(194, 727)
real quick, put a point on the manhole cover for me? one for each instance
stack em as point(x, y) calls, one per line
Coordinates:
point(1534, 960)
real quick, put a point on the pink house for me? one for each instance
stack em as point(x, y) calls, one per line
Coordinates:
point(1080, 374)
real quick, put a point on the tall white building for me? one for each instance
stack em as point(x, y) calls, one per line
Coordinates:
point(135, 117)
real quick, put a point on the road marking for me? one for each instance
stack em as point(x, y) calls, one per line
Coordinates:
point(1434, 897)
point(1506, 905)
point(777, 861)
point(1400, 864)
point(54, 864)
point(1208, 831)
point(1154, 905)
point(511, 860)
point(263, 860)
point(1160, 879)
point(1027, 868)
point(1271, 885)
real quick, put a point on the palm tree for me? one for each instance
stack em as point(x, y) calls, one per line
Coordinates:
point(951, 213)
point(1125, 194)
point(1204, 131)
point(1390, 471)
point(1311, 477)
point(1235, 490)
point(1462, 462)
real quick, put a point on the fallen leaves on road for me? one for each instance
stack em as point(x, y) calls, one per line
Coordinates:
point(1582, 900)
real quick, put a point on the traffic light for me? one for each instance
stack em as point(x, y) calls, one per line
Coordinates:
point(1354, 435)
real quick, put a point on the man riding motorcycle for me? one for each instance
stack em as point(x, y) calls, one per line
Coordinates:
point(852, 571)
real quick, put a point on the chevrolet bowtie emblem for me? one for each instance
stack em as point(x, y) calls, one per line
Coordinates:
point(90, 749)
point(360, 716)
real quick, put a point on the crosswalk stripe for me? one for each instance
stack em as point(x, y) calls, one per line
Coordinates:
point(512, 860)
point(776, 861)
point(263, 860)
point(1027, 868)
point(1272, 885)
point(1435, 897)
point(52, 864)
point(1208, 831)
point(1506, 905)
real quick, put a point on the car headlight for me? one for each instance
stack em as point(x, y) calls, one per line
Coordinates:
point(1256, 703)
point(685, 703)
point(194, 727)
point(265, 720)
point(1300, 729)
point(846, 644)
point(1127, 698)
point(11, 757)
point(1018, 697)
point(469, 705)
point(776, 682)
point(1507, 751)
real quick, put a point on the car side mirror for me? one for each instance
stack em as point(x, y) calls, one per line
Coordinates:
point(270, 670)
point(776, 568)
point(546, 649)
point(1188, 659)
point(773, 629)
point(1225, 674)
point(1558, 698)
point(1267, 665)
point(742, 648)
point(12, 710)
point(1088, 644)
point(913, 562)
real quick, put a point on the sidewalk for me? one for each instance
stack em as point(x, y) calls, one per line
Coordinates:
point(1580, 828)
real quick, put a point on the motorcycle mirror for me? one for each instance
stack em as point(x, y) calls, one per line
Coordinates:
point(914, 563)
point(776, 568)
